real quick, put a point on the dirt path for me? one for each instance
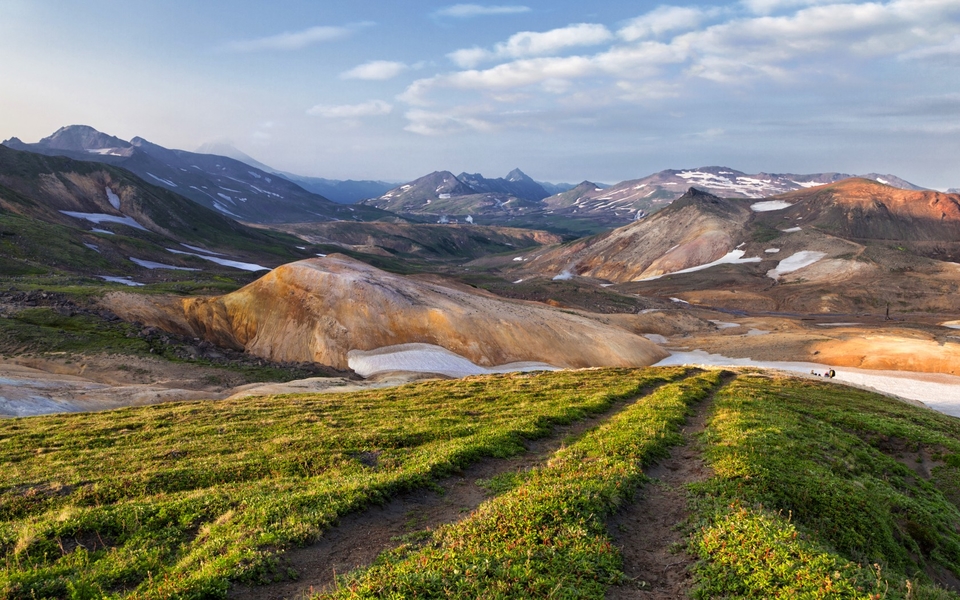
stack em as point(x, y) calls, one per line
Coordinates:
point(646, 531)
point(360, 537)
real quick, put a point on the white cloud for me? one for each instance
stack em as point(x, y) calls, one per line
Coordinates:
point(662, 20)
point(375, 70)
point(465, 11)
point(294, 40)
point(443, 123)
point(351, 111)
point(532, 43)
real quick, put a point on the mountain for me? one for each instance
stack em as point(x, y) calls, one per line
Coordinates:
point(89, 218)
point(619, 203)
point(516, 183)
point(345, 191)
point(442, 194)
point(844, 247)
point(555, 188)
point(696, 229)
point(324, 310)
point(224, 184)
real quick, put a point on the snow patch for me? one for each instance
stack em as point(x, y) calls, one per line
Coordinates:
point(95, 230)
point(428, 358)
point(656, 338)
point(162, 180)
point(939, 392)
point(772, 250)
point(225, 262)
point(197, 249)
point(521, 281)
point(93, 247)
point(123, 280)
point(112, 198)
point(791, 230)
point(796, 261)
point(149, 264)
point(756, 332)
point(102, 218)
point(769, 205)
point(734, 257)
point(724, 324)
point(518, 259)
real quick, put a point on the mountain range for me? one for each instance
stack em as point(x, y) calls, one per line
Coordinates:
point(840, 247)
point(226, 185)
point(93, 219)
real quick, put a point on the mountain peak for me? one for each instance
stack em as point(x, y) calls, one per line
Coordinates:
point(518, 175)
point(82, 138)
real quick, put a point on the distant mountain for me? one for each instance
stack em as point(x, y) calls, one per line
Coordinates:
point(627, 200)
point(340, 191)
point(556, 188)
point(443, 194)
point(224, 184)
point(93, 219)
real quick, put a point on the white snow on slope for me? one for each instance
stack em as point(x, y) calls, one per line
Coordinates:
point(222, 261)
point(211, 251)
point(723, 324)
point(95, 230)
point(123, 280)
point(939, 392)
point(769, 205)
point(102, 218)
point(162, 180)
point(791, 230)
point(222, 209)
point(149, 264)
point(734, 257)
point(772, 250)
point(795, 261)
point(428, 358)
point(113, 198)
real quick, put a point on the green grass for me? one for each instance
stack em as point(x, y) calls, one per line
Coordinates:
point(177, 500)
point(815, 495)
point(546, 537)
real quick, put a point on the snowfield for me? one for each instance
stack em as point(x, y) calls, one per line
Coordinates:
point(734, 257)
point(102, 218)
point(937, 391)
point(428, 358)
point(225, 262)
point(794, 262)
point(769, 205)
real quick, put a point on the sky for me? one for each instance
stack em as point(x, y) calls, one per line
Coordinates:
point(565, 90)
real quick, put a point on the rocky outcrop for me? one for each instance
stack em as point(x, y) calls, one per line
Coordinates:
point(320, 309)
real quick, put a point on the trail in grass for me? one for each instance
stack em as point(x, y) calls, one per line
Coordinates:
point(360, 537)
point(648, 531)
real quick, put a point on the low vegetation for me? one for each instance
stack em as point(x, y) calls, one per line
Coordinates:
point(827, 492)
point(177, 500)
point(817, 490)
point(547, 537)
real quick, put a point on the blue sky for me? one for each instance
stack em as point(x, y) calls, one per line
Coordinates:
point(564, 90)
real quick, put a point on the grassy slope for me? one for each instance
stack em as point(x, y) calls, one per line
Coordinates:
point(547, 537)
point(817, 492)
point(177, 499)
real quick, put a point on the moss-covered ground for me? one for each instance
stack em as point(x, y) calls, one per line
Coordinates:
point(817, 490)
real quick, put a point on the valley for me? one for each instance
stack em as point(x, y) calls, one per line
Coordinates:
point(199, 402)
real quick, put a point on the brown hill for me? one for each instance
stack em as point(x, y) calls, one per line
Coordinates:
point(320, 309)
point(862, 209)
point(696, 229)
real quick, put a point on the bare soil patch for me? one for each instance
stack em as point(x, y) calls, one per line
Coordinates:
point(649, 532)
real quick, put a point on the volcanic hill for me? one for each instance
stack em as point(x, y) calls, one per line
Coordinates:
point(321, 309)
